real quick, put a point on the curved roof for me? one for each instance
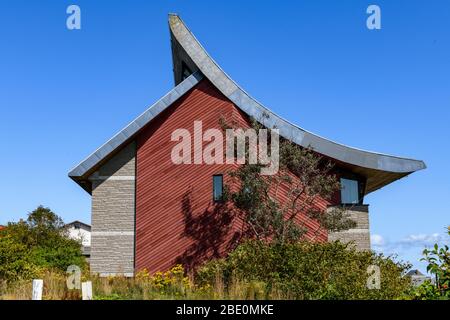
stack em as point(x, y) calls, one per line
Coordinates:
point(187, 51)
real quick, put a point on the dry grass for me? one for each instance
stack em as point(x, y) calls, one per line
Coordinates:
point(55, 288)
point(161, 286)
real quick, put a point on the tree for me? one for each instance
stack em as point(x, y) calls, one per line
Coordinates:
point(15, 260)
point(438, 259)
point(43, 238)
point(303, 178)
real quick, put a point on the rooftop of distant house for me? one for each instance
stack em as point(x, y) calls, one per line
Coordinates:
point(78, 225)
point(415, 272)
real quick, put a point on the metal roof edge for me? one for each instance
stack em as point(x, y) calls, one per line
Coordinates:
point(136, 125)
point(211, 70)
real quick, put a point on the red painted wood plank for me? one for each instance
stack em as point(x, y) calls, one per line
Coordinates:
point(176, 219)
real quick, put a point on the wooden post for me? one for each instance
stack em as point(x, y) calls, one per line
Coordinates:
point(86, 290)
point(38, 286)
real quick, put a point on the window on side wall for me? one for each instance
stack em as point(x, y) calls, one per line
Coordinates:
point(218, 188)
point(350, 193)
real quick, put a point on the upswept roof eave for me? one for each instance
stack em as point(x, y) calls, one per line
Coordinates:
point(187, 49)
point(183, 39)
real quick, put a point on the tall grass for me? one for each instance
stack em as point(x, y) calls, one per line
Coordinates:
point(55, 288)
point(159, 286)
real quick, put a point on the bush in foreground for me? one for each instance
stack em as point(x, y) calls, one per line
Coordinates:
point(438, 259)
point(29, 248)
point(309, 271)
point(253, 271)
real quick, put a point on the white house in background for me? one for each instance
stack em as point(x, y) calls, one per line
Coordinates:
point(417, 277)
point(80, 231)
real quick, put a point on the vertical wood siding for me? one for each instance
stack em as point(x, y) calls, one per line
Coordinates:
point(176, 218)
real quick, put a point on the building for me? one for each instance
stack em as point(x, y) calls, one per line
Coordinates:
point(2, 227)
point(82, 232)
point(148, 212)
point(417, 277)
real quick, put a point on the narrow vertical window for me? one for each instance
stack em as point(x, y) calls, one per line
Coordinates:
point(218, 188)
point(349, 191)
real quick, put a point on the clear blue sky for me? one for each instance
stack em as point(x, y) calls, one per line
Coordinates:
point(64, 93)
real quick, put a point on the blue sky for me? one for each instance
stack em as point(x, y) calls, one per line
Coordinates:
point(64, 93)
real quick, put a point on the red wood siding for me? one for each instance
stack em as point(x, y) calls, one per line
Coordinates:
point(176, 219)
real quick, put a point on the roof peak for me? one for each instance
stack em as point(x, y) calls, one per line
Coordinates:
point(187, 52)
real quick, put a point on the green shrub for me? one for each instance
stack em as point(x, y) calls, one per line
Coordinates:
point(37, 244)
point(310, 270)
point(15, 262)
point(438, 259)
point(58, 257)
point(113, 296)
point(427, 291)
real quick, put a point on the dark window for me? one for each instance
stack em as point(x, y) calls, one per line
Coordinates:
point(218, 188)
point(350, 191)
point(185, 71)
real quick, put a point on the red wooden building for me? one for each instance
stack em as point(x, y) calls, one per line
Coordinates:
point(148, 212)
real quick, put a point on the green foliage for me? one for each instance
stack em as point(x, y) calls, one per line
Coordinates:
point(114, 296)
point(15, 262)
point(303, 178)
point(310, 270)
point(438, 259)
point(66, 252)
point(40, 242)
point(427, 291)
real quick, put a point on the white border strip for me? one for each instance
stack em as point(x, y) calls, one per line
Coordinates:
point(352, 231)
point(113, 233)
point(116, 274)
point(96, 177)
